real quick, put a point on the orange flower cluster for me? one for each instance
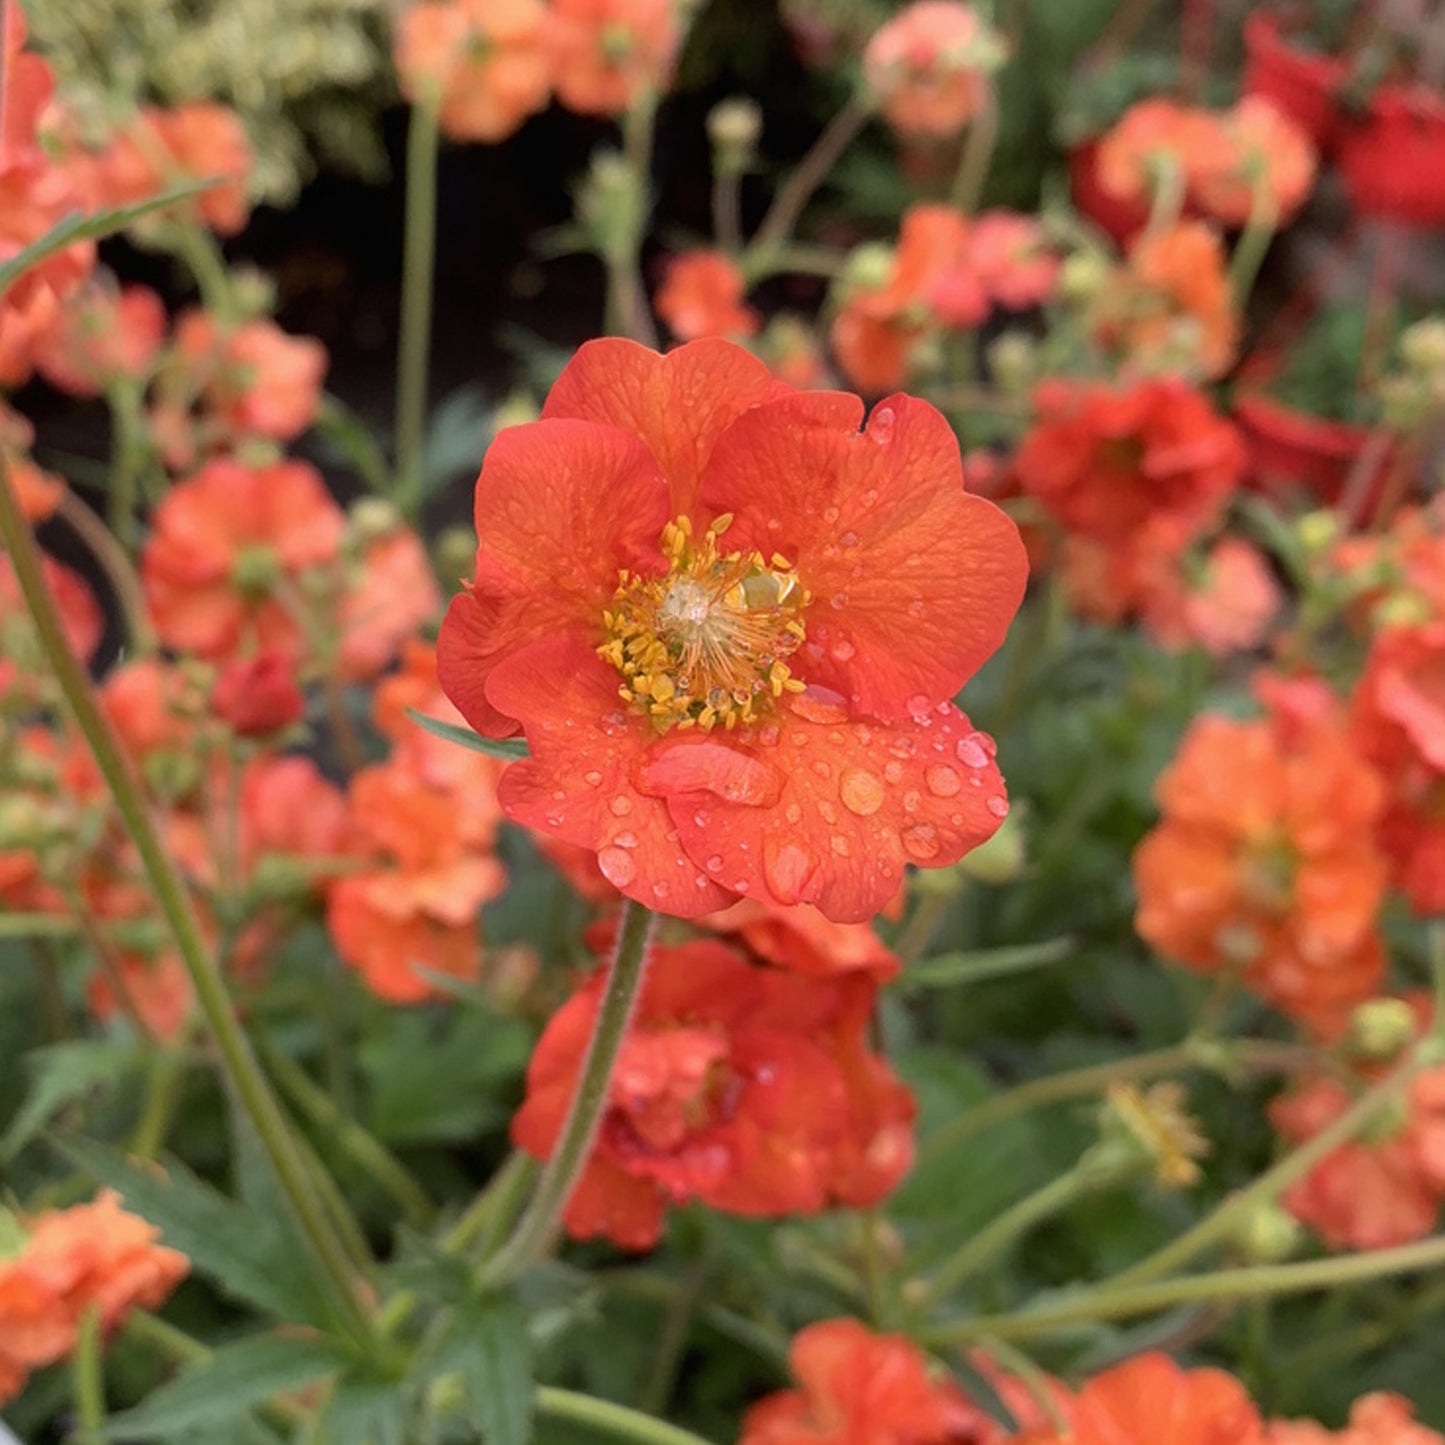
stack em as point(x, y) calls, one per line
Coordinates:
point(702, 295)
point(927, 68)
point(1377, 1419)
point(747, 1088)
point(946, 273)
point(1264, 866)
point(492, 63)
point(59, 1266)
point(1229, 165)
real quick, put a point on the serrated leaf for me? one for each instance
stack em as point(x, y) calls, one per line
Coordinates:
point(950, 970)
point(60, 1074)
point(367, 1410)
point(466, 738)
point(92, 226)
point(235, 1378)
point(980, 1389)
point(236, 1247)
point(492, 1352)
point(457, 435)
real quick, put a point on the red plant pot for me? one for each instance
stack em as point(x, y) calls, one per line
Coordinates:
point(1393, 160)
point(1123, 220)
point(1293, 451)
point(1303, 83)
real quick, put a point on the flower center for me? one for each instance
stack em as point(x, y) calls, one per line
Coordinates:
point(707, 643)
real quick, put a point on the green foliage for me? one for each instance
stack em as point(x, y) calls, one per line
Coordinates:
point(64, 1074)
point(489, 1347)
point(466, 738)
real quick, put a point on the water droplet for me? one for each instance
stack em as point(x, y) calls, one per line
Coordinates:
point(820, 705)
point(864, 734)
point(861, 791)
point(621, 806)
point(842, 650)
point(793, 813)
point(617, 866)
point(626, 840)
point(558, 795)
point(870, 496)
point(826, 811)
point(822, 769)
point(768, 736)
point(892, 772)
point(714, 864)
point(700, 819)
point(660, 890)
point(971, 752)
point(911, 800)
point(788, 869)
point(849, 539)
point(902, 747)
point(592, 779)
point(997, 805)
point(943, 781)
point(881, 424)
point(830, 515)
point(838, 601)
point(840, 845)
point(742, 885)
point(919, 704)
point(921, 841)
point(916, 607)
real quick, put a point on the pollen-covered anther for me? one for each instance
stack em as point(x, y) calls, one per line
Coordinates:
point(707, 642)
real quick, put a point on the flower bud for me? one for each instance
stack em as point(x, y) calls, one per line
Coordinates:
point(1379, 1029)
point(1083, 276)
point(258, 695)
point(1014, 361)
point(372, 518)
point(733, 127)
point(1003, 857)
point(868, 267)
point(454, 554)
point(1268, 1234)
point(1318, 531)
point(610, 205)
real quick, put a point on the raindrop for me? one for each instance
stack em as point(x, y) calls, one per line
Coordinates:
point(971, 752)
point(943, 781)
point(826, 811)
point(788, 870)
point(997, 805)
point(842, 650)
point(617, 866)
point(849, 539)
point(861, 791)
point(793, 813)
point(838, 601)
point(892, 772)
point(880, 425)
point(621, 806)
point(919, 704)
point(902, 747)
point(916, 608)
point(921, 841)
point(840, 845)
point(626, 840)
point(660, 890)
point(592, 779)
point(830, 514)
point(911, 800)
point(714, 864)
point(821, 768)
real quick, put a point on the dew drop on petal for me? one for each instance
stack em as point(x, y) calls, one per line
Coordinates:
point(840, 845)
point(621, 806)
point(911, 800)
point(592, 779)
point(943, 781)
point(793, 813)
point(830, 515)
point(919, 704)
point(626, 840)
point(921, 841)
point(971, 752)
point(618, 866)
point(819, 705)
point(660, 890)
point(822, 769)
point(892, 772)
point(826, 811)
point(997, 805)
point(842, 650)
point(880, 425)
point(861, 791)
point(715, 863)
point(838, 601)
point(788, 870)
point(902, 747)
point(849, 539)
point(916, 607)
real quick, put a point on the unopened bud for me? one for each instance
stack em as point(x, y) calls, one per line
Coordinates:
point(454, 554)
point(733, 127)
point(1268, 1234)
point(868, 267)
point(373, 518)
point(1002, 858)
point(1083, 276)
point(518, 409)
point(1013, 360)
point(1318, 531)
point(1379, 1029)
point(610, 204)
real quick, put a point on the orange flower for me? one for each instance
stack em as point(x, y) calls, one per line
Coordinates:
point(1377, 1419)
point(703, 296)
point(391, 596)
point(1399, 725)
point(1169, 308)
point(67, 1262)
point(801, 939)
point(680, 598)
point(1009, 253)
point(102, 334)
point(258, 695)
point(1270, 162)
point(156, 988)
point(1155, 137)
point(1149, 1400)
point(606, 53)
point(80, 616)
point(1225, 608)
point(227, 546)
point(1264, 862)
point(749, 1090)
point(1399, 572)
point(1376, 1192)
point(928, 66)
point(485, 59)
point(415, 907)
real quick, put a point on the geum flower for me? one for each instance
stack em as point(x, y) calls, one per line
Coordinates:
point(730, 625)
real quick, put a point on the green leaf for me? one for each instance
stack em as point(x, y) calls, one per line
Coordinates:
point(457, 435)
point(367, 1409)
point(61, 1074)
point(491, 1350)
point(92, 226)
point(239, 1248)
point(234, 1379)
point(951, 969)
point(351, 441)
point(466, 738)
point(980, 1389)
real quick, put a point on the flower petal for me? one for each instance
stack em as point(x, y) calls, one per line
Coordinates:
point(914, 581)
point(561, 507)
point(577, 784)
point(678, 404)
point(854, 802)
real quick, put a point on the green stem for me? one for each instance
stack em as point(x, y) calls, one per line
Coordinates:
point(782, 216)
point(1221, 1222)
point(165, 1073)
point(1230, 1285)
point(128, 446)
point(627, 310)
point(533, 1235)
point(203, 257)
point(918, 933)
point(977, 154)
point(175, 907)
point(1259, 229)
point(111, 558)
point(610, 1418)
point(88, 1376)
point(993, 1239)
point(484, 1224)
point(667, 1352)
point(417, 275)
point(364, 1150)
point(49, 989)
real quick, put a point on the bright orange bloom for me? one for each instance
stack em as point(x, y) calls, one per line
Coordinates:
point(729, 624)
point(392, 594)
point(69, 1261)
point(1399, 725)
point(1169, 308)
point(485, 58)
point(748, 1089)
point(1149, 1400)
point(102, 334)
point(1376, 1419)
point(1009, 253)
point(928, 65)
point(415, 907)
point(226, 546)
point(157, 989)
point(1155, 137)
point(1106, 461)
point(1226, 607)
point(703, 296)
point(1265, 864)
point(80, 615)
point(1399, 572)
point(1271, 163)
point(606, 53)
point(801, 939)
point(258, 695)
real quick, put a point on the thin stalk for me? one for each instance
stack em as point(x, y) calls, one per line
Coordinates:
point(124, 399)
point(364, 1150)
point(656, 1393)
point(1220, 1222)
point(175, 907)
point(782, 216)
point(1259, 228)
point(727, 213)
point(977, 153)
point(48, 988)
point(1230, 1285)
point(111, 558)
point(207, 264)
point(628, 311)
point(610, 1418)
point(490, 1215)
point(919, 932)
point(418, 269)
point(88, 1377)
point(165, 1073)
point(533, 1235)
point(986, 1246)
point(794, 259)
